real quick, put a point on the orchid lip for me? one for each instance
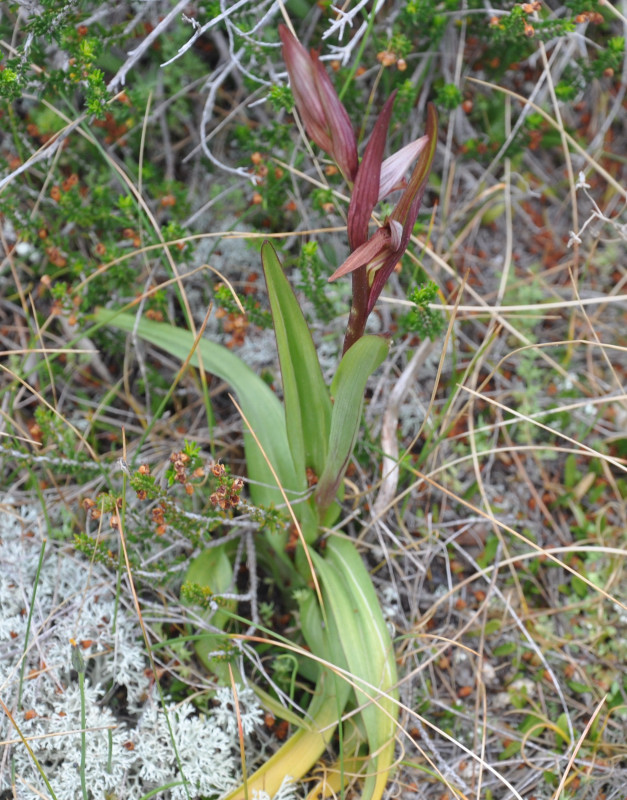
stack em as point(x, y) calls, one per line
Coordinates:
point(396, 231)
point(394, 168)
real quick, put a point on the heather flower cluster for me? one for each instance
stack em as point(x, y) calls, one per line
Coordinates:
point(129, 751)
point(227, 495)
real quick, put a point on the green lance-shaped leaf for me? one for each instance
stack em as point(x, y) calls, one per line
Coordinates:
point(311, 621)
point(257, 401)
point(353, 609)
point(375, 661)
point(347, 390)
point(300, 753)
point(323, 638)
point(307, 402)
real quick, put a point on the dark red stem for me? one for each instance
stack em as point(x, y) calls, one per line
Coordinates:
point(359, 308)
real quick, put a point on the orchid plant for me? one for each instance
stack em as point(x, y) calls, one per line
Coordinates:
point(297, 452)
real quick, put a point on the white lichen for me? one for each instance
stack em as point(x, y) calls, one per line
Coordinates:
point(130, 749)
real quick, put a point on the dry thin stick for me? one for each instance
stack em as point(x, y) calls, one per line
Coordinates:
point(195, 237)
point(560, 124)
point(134, 55)
point(486, 309)
point(595, 336)
point(549, 553)
point(84, 342)
point(438, 374)
point(616, 462)
point(490, 338)
point(495, 311)
point(46, 350)
point(504, 598)
point(481, 696)
point(240, 731)
point(24, 439)
point(389, 441)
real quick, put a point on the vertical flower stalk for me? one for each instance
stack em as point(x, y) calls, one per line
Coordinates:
point(372, 259)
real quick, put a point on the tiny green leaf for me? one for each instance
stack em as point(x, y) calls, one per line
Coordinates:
point(562, 728)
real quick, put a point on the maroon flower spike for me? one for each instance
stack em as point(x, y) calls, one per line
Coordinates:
point(379, 254)
point(366, 190)
point(326, 121)
point(325, 118)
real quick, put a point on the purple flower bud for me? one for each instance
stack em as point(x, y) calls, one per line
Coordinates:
point(323, 114)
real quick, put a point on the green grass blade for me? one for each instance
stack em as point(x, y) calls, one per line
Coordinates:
point(307, 402)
